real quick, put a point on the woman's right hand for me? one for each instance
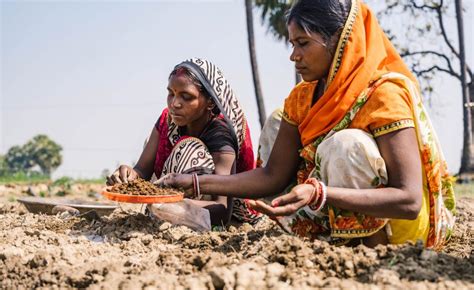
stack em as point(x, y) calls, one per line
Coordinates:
point(123, 174)
point(180, 181)
point(286, 204)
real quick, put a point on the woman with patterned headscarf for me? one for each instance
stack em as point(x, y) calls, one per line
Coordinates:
point(355, 150)
point(203, 130)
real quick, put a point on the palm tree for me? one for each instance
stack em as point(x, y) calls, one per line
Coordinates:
point(273, 13)
point(253, 62)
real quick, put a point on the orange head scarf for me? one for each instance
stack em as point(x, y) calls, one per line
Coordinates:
point(363, 51)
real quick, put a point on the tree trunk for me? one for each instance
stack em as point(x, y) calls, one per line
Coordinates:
point(253, 62)
point(466, 172)
point(467, 159)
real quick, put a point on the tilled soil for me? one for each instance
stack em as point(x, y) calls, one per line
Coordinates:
point(129, 250)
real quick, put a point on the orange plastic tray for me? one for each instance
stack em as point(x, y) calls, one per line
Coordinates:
point(140, 198)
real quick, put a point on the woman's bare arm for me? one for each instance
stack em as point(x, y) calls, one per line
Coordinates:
point(403, 195)
point(281, 168)
point(401, 199)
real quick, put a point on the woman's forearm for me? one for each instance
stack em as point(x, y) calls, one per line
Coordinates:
point(142, 173)
point(262, 182)
point(382, 202)
point(252, 184)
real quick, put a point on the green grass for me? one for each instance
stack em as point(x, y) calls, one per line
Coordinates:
point(465, 189)
point(21, 178)
point(90, 181)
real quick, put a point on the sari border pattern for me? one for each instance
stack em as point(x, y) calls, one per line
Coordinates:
point(346, 32)
point(395, 126)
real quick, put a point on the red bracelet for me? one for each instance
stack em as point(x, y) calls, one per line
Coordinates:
point(319, 204)
point(316, 188)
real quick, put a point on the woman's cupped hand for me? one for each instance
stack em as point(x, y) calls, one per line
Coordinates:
point(286, 204)
point(183, 182)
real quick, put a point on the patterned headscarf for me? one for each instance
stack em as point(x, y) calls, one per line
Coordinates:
point(221, 93)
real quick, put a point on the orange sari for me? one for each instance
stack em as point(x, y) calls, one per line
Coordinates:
point(366, 66)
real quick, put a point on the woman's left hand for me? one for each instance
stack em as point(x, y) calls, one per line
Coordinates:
point(286, 204)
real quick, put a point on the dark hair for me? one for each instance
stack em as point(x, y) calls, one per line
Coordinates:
point(326, 17)
point(181, 70)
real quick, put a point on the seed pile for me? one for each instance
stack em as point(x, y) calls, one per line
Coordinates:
point(142, 187)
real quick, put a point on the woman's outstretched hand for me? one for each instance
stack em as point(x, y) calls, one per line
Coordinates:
point(286, 204)
point(123, 174)
point(180, 181)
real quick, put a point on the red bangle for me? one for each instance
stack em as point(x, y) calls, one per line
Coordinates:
point(319, 204)
point(315, 194)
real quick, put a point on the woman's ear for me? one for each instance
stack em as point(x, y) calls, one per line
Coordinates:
point(210, 105)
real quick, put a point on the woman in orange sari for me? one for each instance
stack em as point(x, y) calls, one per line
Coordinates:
point(355, 134)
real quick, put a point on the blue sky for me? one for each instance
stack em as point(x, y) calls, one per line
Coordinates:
point(92, 74)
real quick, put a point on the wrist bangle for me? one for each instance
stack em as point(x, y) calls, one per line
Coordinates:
point(315, 193)
point(197, 190)
point(318, 206)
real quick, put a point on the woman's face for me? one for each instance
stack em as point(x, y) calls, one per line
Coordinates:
point(311, 57)
point(186, 104)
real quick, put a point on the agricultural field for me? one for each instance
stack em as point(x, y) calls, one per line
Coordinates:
point(129, 250)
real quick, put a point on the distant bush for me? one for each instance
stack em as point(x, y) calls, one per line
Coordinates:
point(38, 154)
point(62, 186)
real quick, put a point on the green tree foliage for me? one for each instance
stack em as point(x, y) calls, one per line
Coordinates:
point(44, 152)
point(17, 160)
point(40, 151)
point(273, 14)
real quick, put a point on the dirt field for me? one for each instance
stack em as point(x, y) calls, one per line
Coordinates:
point(128, 250)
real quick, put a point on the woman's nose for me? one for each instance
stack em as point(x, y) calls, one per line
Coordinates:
point(175, 103)
point(294, 56)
